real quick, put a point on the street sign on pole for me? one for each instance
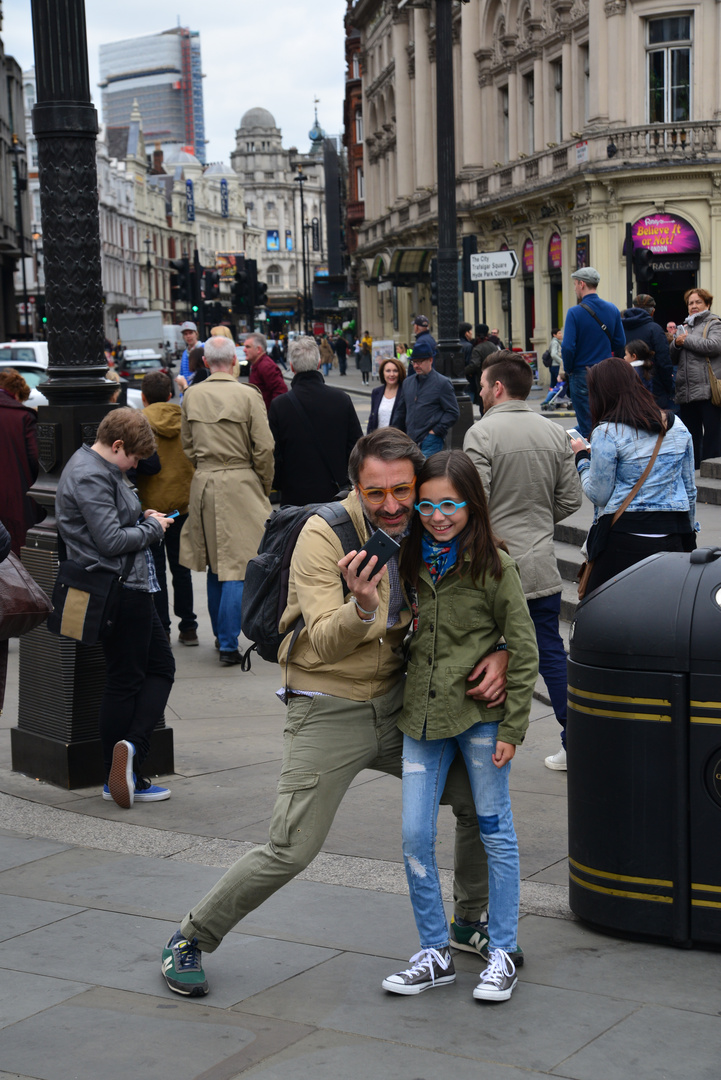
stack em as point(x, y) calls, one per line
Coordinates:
point(494, 265)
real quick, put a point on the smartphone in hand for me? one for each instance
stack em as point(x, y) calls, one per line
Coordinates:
point(383, 546)
point(574, 433)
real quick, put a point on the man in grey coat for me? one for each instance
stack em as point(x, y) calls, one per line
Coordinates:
point(527, 468)
point(428, 408)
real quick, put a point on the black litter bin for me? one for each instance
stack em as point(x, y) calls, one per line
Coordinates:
point(644, 751)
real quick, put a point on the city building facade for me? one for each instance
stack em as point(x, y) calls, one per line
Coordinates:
point(573, 120)
point(15, 212)
point(163, 74)
point(268, 175)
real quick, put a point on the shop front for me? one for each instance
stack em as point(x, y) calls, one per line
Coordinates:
point(555, 278)
point(529, 295)
point(675, 264)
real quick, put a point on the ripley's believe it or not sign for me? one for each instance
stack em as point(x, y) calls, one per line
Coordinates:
point(665, 234)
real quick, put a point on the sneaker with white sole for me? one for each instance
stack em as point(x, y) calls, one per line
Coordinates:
point(475, 939)
point(429, 967)
point(182, 966)
point(144, 791)
point(499, 979)
point(121, 782)
point(557, 761)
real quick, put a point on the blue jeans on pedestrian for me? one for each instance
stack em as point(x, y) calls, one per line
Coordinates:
point(552, 662)
point(425, 767)
point(579, 397)
point(326, 369)
point(224, 607)
point(432, 444)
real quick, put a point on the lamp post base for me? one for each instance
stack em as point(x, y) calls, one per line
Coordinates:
point(80, 764)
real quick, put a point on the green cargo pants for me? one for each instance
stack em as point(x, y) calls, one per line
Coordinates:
point(327, 742)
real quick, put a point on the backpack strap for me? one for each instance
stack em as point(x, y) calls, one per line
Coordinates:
point(336, 515)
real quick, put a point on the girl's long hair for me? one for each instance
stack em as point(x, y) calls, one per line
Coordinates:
point(616, 395)
point(477, 539)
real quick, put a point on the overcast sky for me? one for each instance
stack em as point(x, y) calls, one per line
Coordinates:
point(279, 55)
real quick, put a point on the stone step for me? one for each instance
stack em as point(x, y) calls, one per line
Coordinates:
point(711, 469)
point(569, 559)
point(569, 600)
point(708, 490)
point(567, 533)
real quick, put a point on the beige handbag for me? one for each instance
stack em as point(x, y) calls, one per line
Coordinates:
point(714, 383)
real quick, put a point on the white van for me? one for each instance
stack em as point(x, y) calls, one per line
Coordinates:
point(12, 352)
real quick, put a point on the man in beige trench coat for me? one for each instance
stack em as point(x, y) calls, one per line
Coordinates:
point(225, 434)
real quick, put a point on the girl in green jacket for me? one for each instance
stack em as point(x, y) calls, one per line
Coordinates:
point(468, 595)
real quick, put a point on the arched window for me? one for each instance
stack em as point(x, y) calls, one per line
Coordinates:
point(274, 275)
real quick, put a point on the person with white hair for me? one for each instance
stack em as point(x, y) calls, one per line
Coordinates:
point(315, 427)
point(225, 433)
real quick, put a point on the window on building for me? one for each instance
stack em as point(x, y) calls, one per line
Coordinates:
point(557, 73)
point(359, 125)
point(360, 184)
point(586, 69)
point(355, 66)
point(528, 88)
point(669, 70)
point(505, 130)
point(274, 275)
point(250, 147)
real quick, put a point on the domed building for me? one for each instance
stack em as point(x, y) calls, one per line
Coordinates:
point(267, 175)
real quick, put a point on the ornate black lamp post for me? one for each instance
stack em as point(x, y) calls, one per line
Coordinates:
point(301, 179)
point(61, 682)
point(448, 341)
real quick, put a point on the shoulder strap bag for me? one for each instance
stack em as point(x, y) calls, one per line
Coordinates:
point(714, 383)
point(593, 314)
point(23, 604)
point(585, 571)
point(86, 602)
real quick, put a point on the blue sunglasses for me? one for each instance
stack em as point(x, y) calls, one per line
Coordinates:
point(447, 507)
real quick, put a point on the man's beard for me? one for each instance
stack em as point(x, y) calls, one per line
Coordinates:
point(378, 520)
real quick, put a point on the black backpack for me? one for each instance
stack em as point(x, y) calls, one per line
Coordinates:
point(265, 592)
point(546, 358)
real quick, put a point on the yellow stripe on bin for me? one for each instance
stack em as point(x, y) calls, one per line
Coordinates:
point(706, 704)
point(620, 892)
point(659, 717)
point(613, 697)
point(706, 903)
point(705, 720)
point(620, 877)
point(705, 888)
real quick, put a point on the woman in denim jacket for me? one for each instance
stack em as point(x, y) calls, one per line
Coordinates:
point(626, 425)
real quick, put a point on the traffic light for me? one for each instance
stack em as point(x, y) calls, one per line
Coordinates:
point(261, 294)
point(180, 290)
point(434, 282)
point(211, 284)
point(240, 292)
point(643, 265)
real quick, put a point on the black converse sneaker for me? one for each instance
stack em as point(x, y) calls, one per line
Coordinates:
point(429, 967)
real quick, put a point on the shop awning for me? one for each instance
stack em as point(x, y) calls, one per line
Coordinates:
point(409, 265)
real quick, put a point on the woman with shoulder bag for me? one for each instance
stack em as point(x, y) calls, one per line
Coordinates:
point(101, 524)
point(630, 433)
point(697, 351)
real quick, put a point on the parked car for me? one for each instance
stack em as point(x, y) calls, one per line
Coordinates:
point(14, 352)
point(32, 372)
point(136, 363)
point(243, 363)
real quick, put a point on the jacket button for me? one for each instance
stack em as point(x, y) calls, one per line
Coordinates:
point(431, 693)
point(430, 659)
point(431, 628)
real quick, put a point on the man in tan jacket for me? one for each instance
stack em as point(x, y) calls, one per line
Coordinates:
point(528, 471)
point(345, 683)
point(225, 434)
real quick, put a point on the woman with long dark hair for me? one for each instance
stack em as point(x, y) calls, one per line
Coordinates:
point(468, 595)
point(627, 423)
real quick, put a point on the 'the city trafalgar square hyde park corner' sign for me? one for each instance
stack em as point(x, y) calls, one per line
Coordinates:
point(494, 265)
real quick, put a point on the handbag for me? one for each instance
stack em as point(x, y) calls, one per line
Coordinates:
point(86, 602)
point(585, 571)
point(23, 604)
point(714, 382)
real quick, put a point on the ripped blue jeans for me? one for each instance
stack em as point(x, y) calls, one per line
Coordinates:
point(425, 767)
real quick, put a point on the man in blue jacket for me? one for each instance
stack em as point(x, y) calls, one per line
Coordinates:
point(593, 330)
point(428, 406)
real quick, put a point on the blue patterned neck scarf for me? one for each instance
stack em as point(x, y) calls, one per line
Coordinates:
point(439, 557)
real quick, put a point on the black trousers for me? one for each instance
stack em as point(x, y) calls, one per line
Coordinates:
point(703, 420)
point(182, 579)
point(626, 549)
point(140, 670)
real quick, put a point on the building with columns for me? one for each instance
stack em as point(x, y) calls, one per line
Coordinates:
point(573, 120)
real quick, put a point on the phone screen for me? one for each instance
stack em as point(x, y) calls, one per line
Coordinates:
point(382, 545)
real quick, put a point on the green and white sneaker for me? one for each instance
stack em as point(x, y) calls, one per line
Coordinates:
point(475, 939)
point(182, 968)
point(499, 979)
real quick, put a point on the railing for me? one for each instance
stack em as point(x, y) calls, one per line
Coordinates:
point(664, 140)
point(560, 159)
point(506, 178)
point(532, 170)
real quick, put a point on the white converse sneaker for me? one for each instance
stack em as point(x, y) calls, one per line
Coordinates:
point(499, 979)
point(557, 761)
point(429, 967)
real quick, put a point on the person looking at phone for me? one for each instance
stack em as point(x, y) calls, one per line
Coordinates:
point(345, 691)
point(101, 524)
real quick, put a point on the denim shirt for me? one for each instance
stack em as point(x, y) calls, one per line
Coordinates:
point(619, 454)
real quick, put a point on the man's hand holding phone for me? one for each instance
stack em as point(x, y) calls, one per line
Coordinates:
point(363, 571)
